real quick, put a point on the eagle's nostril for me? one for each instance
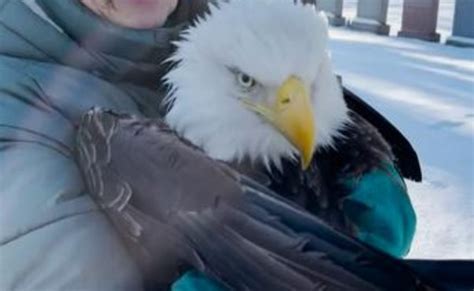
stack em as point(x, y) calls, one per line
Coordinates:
point(286, 101)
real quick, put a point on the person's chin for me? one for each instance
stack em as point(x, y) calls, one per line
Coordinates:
point(146, 23)
point(141, 14)
point(137, 3)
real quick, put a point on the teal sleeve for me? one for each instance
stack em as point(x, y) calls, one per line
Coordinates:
point(380, 209)
point(195, 281)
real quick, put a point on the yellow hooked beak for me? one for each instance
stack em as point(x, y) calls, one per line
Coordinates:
point(292, 114)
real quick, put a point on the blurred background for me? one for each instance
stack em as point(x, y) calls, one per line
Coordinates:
point(394, 15)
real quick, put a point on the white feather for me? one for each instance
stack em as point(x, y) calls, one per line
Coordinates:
point(269, 40)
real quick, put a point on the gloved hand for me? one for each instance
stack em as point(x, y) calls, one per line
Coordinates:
point(381, 211)
point(195, 281)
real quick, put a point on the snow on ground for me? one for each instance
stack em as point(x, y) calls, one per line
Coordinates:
point(427, 91)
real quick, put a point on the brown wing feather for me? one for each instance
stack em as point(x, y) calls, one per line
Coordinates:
point(179, 209)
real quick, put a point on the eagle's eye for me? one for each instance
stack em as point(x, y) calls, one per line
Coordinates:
point(246, 81)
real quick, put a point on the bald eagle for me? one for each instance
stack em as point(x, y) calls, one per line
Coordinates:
point(257, 145)
point(266, 90)
point(254, 87)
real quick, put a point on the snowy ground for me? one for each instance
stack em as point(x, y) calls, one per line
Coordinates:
point(427, 91)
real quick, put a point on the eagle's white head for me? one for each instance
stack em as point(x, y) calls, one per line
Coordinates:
point(254, 81)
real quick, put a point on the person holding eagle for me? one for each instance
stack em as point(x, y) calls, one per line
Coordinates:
point(214, 125)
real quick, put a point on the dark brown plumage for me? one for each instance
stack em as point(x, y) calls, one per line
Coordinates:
point(321, 188)
point(179, 209)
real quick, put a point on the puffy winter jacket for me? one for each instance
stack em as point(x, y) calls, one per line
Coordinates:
point(57, 60)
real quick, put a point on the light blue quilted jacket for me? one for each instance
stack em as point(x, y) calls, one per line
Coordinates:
point(57, 60)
